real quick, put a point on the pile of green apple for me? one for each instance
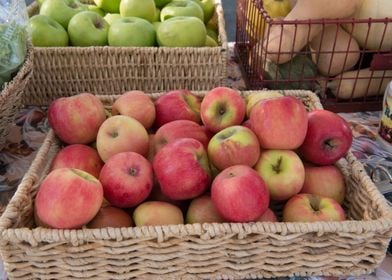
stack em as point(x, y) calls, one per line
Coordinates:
point(182, 158)
point(126, 23)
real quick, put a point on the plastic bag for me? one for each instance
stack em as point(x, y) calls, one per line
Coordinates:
point(13, 37)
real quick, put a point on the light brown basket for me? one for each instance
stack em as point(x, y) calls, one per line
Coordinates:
point(209, 251)
point(11, 97)
point(65, 71)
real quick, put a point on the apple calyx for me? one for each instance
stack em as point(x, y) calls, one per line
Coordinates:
point(278, 166)
point(221, 109)
point(133, 171)
point(330, 144)
point(113, 134)
point(98, 23)
point(314, 203)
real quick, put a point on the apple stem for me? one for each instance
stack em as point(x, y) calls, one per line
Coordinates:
point(277, 167)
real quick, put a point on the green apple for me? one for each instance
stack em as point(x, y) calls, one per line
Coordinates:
point(157, 15)
point(138, 8)
point(88, 29)
point(109, 6)
point(182, 32)
point(46, 32)
point(182, 8)
point(210, 42)
point(156, 24)
point(96, 9)
point(213, 34)
point(132, 31)
point(110, 18)
point(40, 2)
point(208, 7)
point(62, 10)
point(161, 3)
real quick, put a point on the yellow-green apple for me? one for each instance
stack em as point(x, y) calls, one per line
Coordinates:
point(202, 210)
point(153, 213)
point(182, 169)
point(186, 8)
point(111, 17)
point(62, 10)
point(131, 32)
point(268, 216)
point(68, 198)
point(328, 138)
point(326, 181)
point(213, 34)
point(46, 32)
point(121, 134)
point(161, 3)
point(136, 8)
point(222, 107)
point(253, 98)
point(174, 130)
point(283, 172)
point(96, 9)
point(109, 6)
point(279, 123)
point(135, 104)
point(312, 208)
point(111, 216)
point(88, 29)
point(177, 105)
point(234, 145)
point(239, 194)
point(76, 119)
point(181, 32)
point(78, 156)
point(157, 17)
point(208, 8)
point(127, 179)
point(210, 42)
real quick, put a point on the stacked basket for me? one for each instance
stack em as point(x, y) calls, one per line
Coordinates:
point(204, 251)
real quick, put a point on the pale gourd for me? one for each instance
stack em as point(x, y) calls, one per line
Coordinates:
point(334, 51)
point(284, 42)
point(369, 83)
point(375, 9)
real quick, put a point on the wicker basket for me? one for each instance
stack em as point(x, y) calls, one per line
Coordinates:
point(208, 251)
point(11, 97)
point(65, 71)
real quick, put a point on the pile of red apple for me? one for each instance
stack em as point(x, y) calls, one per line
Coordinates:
point(182, 158)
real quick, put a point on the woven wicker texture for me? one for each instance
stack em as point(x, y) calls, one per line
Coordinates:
point(108, 70)
point(11, 97)
point(208, 251)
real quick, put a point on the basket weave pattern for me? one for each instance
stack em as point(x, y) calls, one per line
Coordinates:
point(11, 97)
point(66, 71)
point(209, 251)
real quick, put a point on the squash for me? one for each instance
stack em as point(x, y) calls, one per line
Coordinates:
point(334, 51)
point(370, 83)
point(255, 21)
point(284, 42)
point(375, 9)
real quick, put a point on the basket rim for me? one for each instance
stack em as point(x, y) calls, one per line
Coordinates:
point(205, 231)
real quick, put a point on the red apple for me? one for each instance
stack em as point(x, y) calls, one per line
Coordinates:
point(279, 123)
point(76, 119)
point(152, 213)
point(135, 104)
point(111, 216)
point(328, 138)
point(222, 107)
point(121, 134)
point(180, 129)
point(326, 181)
point(282, 171)
point(127, 179)
point(240, 194)
point(157, 195)
point(68, 198)
point(202, 210)
point(177, 105)
point(78, 156)
point(268, 216)
point(182, 169)
point(312, 208)
point(234, 145)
